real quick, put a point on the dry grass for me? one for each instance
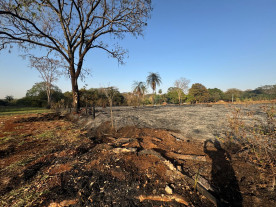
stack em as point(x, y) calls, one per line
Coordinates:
point(246, 102)
point(255, 141)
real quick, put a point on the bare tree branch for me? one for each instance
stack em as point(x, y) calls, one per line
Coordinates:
point(48, 69)
point(71, 28)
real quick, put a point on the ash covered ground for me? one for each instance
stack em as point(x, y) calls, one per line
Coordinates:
point(199, 122)
point(153, 158)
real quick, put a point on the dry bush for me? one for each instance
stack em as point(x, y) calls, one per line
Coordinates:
point(254, 138)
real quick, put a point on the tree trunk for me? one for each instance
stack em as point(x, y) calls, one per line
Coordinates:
point(48, 91)
point(75, 93)
point(153, 99)
point(94, 111)
point(111, 114)
point(48, 100)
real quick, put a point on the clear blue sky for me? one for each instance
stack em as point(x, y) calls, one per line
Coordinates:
point(219, 43)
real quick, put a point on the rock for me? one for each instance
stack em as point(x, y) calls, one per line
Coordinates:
point(168, 190)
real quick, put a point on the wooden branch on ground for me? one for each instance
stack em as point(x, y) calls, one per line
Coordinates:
point(164, 198)
point(179, 174)
point(186, 157)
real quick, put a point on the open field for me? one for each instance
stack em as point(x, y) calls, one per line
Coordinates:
point(149, 160)
point(200, 122)
point(11, 110)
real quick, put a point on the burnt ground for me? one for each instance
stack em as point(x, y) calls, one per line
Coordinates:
point(199, 122)
point(48, 160)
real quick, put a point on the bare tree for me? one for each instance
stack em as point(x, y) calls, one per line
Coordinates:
point(110, 93)
point(70, 29)
point(182, 86)
point(48, 69)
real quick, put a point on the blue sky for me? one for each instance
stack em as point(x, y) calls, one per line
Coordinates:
point(219, 43)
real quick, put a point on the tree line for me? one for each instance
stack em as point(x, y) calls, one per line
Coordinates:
point(37, 96)
point(68, 30)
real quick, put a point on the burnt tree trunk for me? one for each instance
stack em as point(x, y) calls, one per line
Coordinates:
point(75, 90)
point(76, 95)
point(74, 73)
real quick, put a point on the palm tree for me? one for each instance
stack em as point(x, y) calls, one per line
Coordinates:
point(153, 79)
point(139, 88)
point(144, 90)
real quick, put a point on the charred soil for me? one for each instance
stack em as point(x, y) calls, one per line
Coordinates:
point(46, 160)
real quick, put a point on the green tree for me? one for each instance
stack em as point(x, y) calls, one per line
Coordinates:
point(93, 95)
point(267, 92)
point(37, 95)
point(9, 98)
point(172, 95)
point(232, 94)
point(70, 29)
point(154, 79)
point(3, 103)
point(40, 88)
point(119, 99)
point(215, 94)
point(198, 93)
point(68, 99)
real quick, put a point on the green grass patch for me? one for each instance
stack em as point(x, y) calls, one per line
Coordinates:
point(25, 195)
point(12, 110)
point(4, 140)
point(16, 165)
point(46, 135)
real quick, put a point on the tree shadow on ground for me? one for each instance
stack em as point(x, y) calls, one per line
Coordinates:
point(223, 176)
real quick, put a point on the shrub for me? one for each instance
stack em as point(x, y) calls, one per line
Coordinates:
point(256, 140)
point(3, 103)
point(31, 102)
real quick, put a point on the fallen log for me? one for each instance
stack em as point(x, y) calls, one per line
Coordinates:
point(199, 187)
point(186, 157)
point(202, 190)
point(124, 150)
point(205, 183)
point(164, 198)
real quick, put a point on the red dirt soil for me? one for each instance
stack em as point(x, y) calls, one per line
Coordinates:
point(46, 160)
